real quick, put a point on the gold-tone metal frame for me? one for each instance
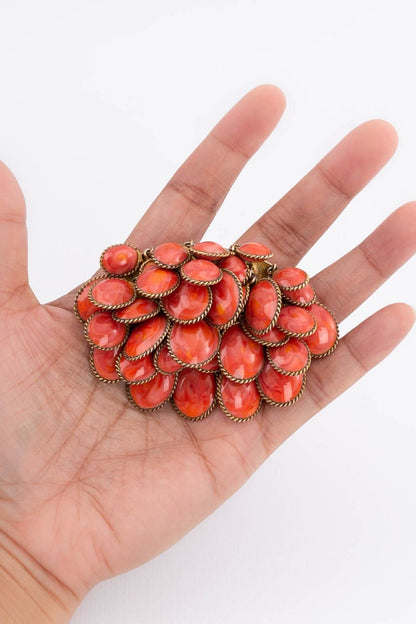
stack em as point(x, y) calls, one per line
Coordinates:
point(97, 278)
point(209, 256)
point(276, 315)
point(90, 342)
point(150, 410)
point(240, 306)
point(284, 371)
point(194, 320)
point(247, 256)
point(132, 358)
point(139, 259)
point(296, 303)
point(133, 383)
point(285, 403)
point(94, 370)
point(156, 363)
point(201, 282)
point(139, 319)
point(261, 340)
point(227, 412)
point(115, 306)
point(199, 364)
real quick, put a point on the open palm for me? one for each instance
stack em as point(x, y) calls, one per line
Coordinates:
point(89, 486)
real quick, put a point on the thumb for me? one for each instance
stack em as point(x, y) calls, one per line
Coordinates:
point(15, 292)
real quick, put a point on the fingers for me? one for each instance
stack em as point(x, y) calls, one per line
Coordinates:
point(15, 292)
point(349, 281)
point(190, 199)
point(359, 351)
point(297, 220)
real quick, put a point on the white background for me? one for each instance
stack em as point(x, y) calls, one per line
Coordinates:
point(100, 102)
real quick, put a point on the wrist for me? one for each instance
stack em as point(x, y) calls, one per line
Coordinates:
point(28, 592)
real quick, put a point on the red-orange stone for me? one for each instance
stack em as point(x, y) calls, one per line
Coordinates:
point(262, 307)
point(209, 250)
point(274, 338)
point(105, 363)
point(236, 265)
point(240, 356)
point(154, 392)
point(302, 295)
point(112, 291)
point(210, 367)
point(194, 344)
point(326, 333)
point(253, 250)
point(83, 304)
point(291, 357)
point(296, 320)
point(104, 331)
point(136, 311)
point(187, 302)
point(278, 387)
point(225, 300)
point(134, 371)
point(170, 254)
point(119, 259)
point(156, 282)
point(201, 270)
point(146, 335)
point(194, 392)
point(240, 400)
point(165, 361)
point(290, 277)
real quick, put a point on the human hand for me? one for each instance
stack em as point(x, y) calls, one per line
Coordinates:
point(89, 486)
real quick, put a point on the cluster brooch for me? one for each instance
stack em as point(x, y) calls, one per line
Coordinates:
point(197, 324)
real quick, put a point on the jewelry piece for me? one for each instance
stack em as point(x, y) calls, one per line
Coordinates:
point(200, 325)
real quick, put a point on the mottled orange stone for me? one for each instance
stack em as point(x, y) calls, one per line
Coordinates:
point(84, 306)
point(302, 295)
point(262, 306)
point(194, 392)
point(253, 250)
point(278, 387)
point(104, 331)
point(201, 270)
point(290, 277)
point(112, 291)
point(105, 363)
point(240, 356)
point(212, 366)
point(194, 344)
point(296, 320)
point(170, 254)
point(236, 265)
point(165, 361)
point(145, 336)
point(155, 281)
point(119, 259)
point(187, 302)
point(209, 250)
point(134, 371)
point(154, 392)
point(291, 357)
point(225, 300)
point(240, 400)
point(135, 311)
point(326, 333)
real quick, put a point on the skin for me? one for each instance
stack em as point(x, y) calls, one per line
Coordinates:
point(91, 487)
